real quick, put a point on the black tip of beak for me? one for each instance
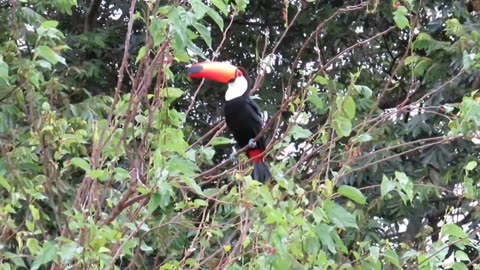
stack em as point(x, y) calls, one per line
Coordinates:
point(194, 69)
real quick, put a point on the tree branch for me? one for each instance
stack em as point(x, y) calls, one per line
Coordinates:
point(91, 14)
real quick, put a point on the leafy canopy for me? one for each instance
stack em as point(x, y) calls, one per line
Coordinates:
point(111, 158)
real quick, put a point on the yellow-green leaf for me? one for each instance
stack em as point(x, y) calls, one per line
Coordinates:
point(49, 54)
point(81, 163)
point(221, 6)
point(172, 92)
point(353, 194)
point(141, 54)
point(4, 183)
point(46, 255)
point(453, 230)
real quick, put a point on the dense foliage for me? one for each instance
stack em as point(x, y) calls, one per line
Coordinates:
point(112, 159)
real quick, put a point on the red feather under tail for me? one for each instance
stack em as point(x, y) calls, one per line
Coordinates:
point(256, 155)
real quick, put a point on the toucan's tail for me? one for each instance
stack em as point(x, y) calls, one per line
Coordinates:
point(261, 172)
point(260, 169)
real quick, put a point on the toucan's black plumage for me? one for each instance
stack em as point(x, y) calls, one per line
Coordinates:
point(242, 114)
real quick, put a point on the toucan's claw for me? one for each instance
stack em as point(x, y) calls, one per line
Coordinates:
point(233, 157)
point(252, 143)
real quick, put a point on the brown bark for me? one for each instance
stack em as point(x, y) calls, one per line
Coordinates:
point(91, 14)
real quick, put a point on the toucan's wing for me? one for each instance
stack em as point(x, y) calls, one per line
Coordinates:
point(257, 117)
point(255, 112)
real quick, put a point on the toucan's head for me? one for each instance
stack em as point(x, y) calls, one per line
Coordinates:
point(224, 73)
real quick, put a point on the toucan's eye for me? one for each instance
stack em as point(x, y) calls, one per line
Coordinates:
point(239, 73)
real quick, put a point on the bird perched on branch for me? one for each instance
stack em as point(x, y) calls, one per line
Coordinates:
point(242, 114)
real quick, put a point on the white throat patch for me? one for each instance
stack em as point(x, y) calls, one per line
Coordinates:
point(236, 88)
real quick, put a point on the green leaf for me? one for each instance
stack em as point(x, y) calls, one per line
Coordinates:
point(44, 64)
point(471, 166)
point(216, 18)
point(374, 252)
point(402, 11)
point(400, 17)
point(453, 230)
point(200, 203)
point(266, 195)
point(144, 247)
point(365, 137)
point(81, 163)
point(339, 216)
point(46, 107)
point(199, 8)
point(470, 189)
point(454, 27)
point(4, 183)
point(48, 54)
point(121, 174)
point(317, 101)
point(459, 266)
point(4, 72)
point(221, 141)
point(422, 42)
point(422, 66)
point(300, 133)
point(172, 139)
point(353, 194)
point(154, 202)
point(401, 21)
point(103, 250)
point(349, 107)
point(101, 175)
point(172, 92)
point(241, 5)
point(157, 30)
point(191, 183)
point(46, 255)
point(141, 54)
point(274, 216)
point(325, 237)
point(342, 126)
point(402, 178)
point(405, 184)
point(386, 186)
point(206, 152)
point(221, 6)
point(49, 24)
point(68, 252)
point(34, 77)
point(461, 256)
point(468, 59)
point(392, 257)
point(33, 246)
point(321, 80)
point(364, 90)
point(178, 166)
point(340, 246)
point(179, 37)
point(412, 59)
point(204, 33)
point(410, 254)
point(64, 6)
point(30, 225)
point(14, 258)
point(35, 212)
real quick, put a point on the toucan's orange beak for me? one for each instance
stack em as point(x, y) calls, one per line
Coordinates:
point(217, 71)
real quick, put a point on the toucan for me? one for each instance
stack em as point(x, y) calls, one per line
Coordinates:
point(242, 114)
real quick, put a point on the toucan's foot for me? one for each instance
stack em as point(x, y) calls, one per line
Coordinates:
point(233, 157)
point(252, 143)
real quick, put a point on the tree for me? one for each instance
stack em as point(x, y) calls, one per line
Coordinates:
point(111, 158)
